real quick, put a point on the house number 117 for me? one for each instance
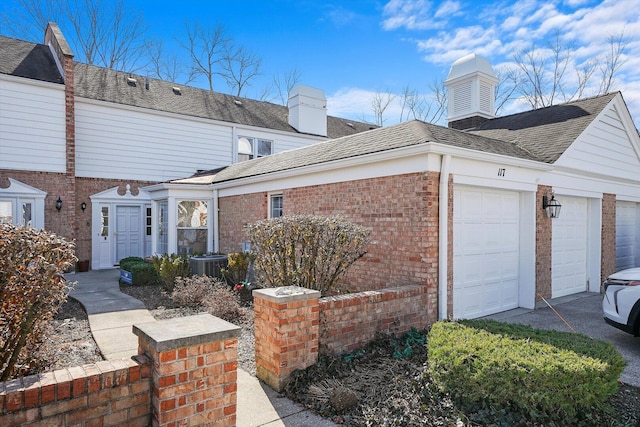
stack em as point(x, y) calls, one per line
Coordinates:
point(502, 171)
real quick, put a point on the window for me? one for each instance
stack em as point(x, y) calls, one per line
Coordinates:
point(252, 148)
point(275, 205)
point(148, 222)
point(162, 242)
point(104, 221)
point(192, 227)
point(6, 212)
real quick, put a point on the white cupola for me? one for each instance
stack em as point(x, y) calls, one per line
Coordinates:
point(471, 85)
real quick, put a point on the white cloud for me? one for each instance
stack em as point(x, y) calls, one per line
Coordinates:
point(447, 9)
point(411, 15)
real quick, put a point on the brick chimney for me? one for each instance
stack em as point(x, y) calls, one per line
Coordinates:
point(64, 58)
point(308, 110)
point(471, 85)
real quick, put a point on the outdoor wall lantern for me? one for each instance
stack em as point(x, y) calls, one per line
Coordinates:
point(83, 206)
point(552, 207)
point(59, 204)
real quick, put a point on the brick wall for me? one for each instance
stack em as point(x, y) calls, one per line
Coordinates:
point(107, 393)
point(348, 322)
point(543, 245)
point(235, 213)
point(608, 262)
point(291, 324)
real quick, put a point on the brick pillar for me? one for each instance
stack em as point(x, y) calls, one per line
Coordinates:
point(543, 245)
point(286, 332)
point(194, 370)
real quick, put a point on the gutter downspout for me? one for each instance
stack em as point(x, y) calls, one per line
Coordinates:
point(216, 225)
point(443, 236)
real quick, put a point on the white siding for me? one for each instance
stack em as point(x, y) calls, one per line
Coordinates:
point(607, 147)
point(119, 142)
point(32, 126)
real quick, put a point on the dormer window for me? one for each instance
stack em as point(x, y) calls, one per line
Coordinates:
point(252, 148)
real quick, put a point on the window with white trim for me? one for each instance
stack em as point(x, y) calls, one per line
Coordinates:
point(192, 227)
point(252, 148)
point(275, 205)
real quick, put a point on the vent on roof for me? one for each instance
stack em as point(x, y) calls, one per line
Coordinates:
point(131, 81)
point(237, 102)
point(351, 125)
point(146, 83)
point(177, 90)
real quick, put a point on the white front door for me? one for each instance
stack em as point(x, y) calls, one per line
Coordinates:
point(104, 239)
point(486, 251)
point(569, 248)
point(627, 235)
point(129, 239)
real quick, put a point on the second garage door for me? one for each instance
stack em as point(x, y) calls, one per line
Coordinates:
point(626, 235)
point(486, 226)
point(569, 248)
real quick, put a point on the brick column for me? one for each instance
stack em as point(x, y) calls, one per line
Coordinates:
point(194, 370)
point(286, 332)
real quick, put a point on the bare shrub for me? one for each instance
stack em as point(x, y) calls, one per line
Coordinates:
point(192, 291)
point(32, 289)
point(223, 302)
point(306, 250)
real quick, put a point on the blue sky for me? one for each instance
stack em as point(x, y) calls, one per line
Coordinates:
point(353, 49)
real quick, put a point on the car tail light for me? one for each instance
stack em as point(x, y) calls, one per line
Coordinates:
point(634, 283)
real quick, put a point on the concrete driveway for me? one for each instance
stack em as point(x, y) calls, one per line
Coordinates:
point(584, 313)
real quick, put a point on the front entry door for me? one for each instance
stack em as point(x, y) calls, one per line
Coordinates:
point(129, 240)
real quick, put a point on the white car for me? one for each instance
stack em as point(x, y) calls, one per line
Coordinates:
point(621, 303)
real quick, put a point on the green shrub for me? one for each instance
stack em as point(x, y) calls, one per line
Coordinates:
point(126, 263)
point(169, 267)
point(311, 251)
point(548, 376)
point(144, 274)
point(237, 266)
point(32, 289)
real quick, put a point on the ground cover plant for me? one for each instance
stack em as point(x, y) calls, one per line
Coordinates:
point(393, 386)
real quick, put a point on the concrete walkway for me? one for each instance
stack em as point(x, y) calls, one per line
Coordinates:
point(111, 317)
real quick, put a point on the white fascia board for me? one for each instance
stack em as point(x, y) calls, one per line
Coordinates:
point(578, 184)
point(196, 118)
point(32, 82)
point(467, 153)
point(182, 191)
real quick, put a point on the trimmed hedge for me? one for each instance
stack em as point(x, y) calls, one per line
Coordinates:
point(142, 273)
point(547, 376)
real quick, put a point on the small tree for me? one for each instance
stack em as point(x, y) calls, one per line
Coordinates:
point(306, 250)
point(32, 289)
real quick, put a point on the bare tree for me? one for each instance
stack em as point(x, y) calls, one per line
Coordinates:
point(613, 61)
point(108, 34)
point(427, 108)
point(379, 103)
point(285, 83)
point(540, 76)
point(167, 66)
point(239, 66)
point(207, 48)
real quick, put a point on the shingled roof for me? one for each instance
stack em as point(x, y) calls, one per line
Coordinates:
point(546, 132)
point(539, 135)
point(383, 139)
point(118, 87)
point(35, 61)
point(29, 60)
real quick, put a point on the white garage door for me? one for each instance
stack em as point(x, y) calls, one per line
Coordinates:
point(486, 226)
point(569, 248)
point(626, 235)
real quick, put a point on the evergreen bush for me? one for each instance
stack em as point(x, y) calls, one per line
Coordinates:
point(547, 376)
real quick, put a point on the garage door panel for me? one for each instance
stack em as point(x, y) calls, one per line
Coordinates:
point(627, 230)
point(486, 251)
point(569, 248)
